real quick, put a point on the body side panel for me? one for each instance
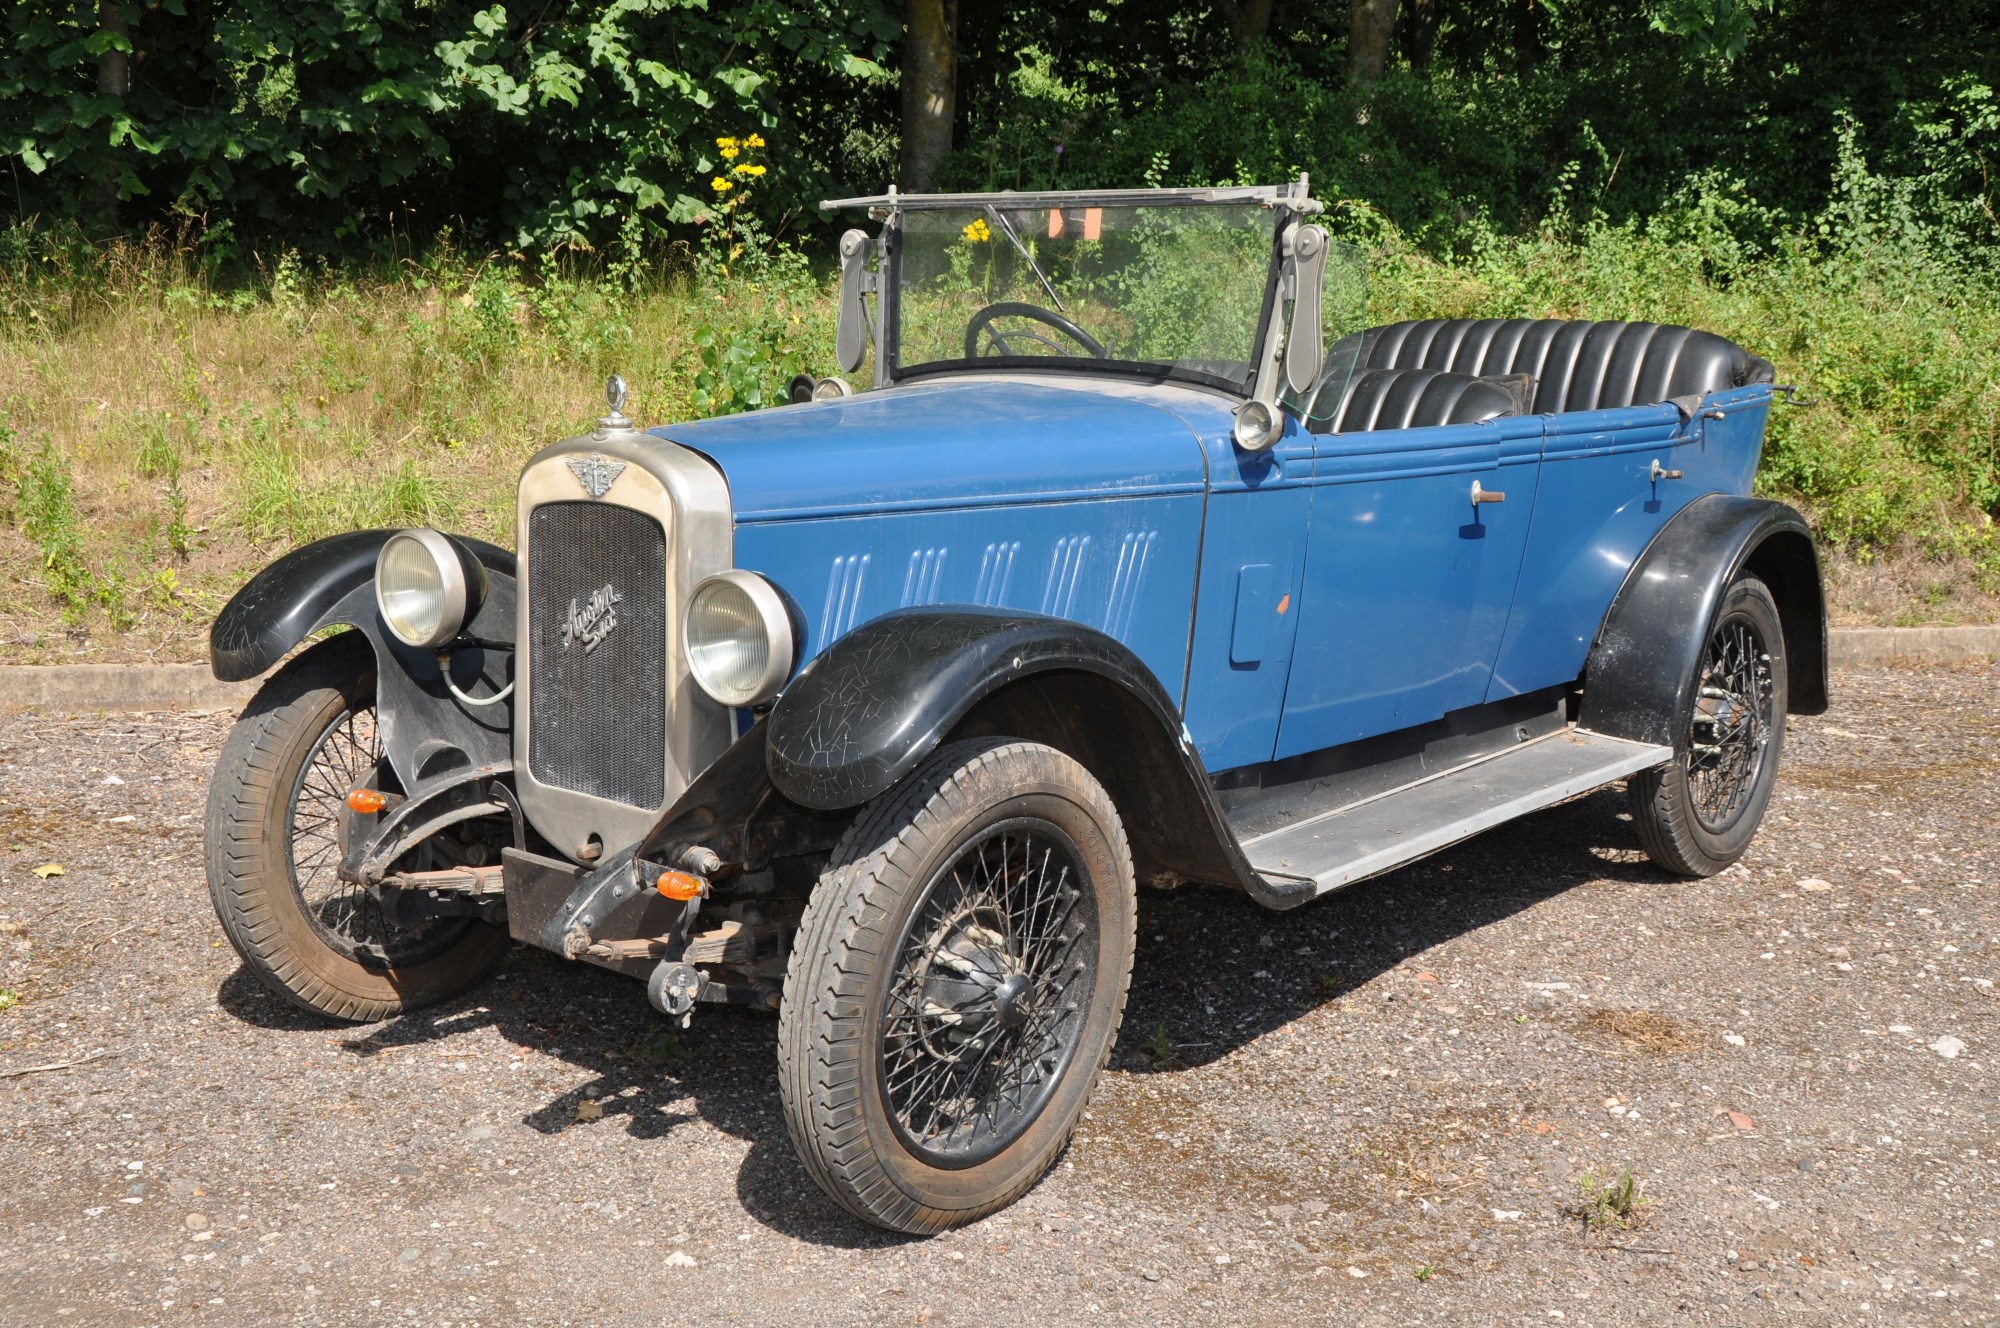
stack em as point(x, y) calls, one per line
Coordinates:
point(1598, 510)
point(1081, 499)
point(1125, 567)
point(1246, 621)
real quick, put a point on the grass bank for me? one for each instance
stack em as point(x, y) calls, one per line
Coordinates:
point(164, 432)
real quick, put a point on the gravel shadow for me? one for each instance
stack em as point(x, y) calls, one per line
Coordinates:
point(647, 1076)
point(1213, 969)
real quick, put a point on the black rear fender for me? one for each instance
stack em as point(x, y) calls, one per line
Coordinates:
point(425, 731)
point(1641, 677)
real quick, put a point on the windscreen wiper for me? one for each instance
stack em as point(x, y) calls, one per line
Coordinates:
point(1041, 276)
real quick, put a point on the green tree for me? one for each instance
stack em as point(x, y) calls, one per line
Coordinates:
point(555, 122)
point(930, 89)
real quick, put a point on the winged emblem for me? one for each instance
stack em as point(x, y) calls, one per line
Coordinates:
point(596, 473)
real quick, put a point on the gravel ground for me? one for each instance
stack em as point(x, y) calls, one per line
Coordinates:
point(1380, 1108)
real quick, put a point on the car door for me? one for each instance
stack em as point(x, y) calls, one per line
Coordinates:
point(1408, 581)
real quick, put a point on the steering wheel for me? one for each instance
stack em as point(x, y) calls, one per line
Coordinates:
point(983, 322)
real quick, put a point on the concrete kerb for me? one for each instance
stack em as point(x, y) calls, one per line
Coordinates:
point(93, 687)
point(1871, 647)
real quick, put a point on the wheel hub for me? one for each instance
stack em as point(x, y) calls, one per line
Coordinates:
point(988, 999)
point(975, 985)
point(1731, 724)
point(1010, 1006)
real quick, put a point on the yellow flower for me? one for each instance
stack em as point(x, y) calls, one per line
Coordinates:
point(747, 169)
point(725, 143)
point(729, 153)
point(977, 232)
point(720, 185)
point(754, 141)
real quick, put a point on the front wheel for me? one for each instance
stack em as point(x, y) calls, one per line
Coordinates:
point(273, 844)
point(1698, 813)
point(957, 985)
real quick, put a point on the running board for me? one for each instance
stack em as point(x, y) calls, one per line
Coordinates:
point(1308, 858)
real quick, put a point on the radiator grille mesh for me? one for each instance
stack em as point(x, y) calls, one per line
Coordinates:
point(598, 711)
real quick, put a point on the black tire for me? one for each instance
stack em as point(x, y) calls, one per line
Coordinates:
point(337, 956)
point(894, 902)
point(1698, 813)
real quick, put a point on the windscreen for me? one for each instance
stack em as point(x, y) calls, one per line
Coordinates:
point(1173, 289)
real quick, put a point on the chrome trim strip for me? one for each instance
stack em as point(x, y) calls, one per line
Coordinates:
point(688, 496)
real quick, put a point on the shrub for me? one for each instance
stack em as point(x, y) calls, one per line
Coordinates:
point(48, 515)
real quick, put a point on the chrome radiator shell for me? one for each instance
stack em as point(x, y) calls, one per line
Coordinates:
point(591, 815)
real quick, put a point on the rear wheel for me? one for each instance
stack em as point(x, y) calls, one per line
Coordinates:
point(273, 846)
point(957, 985)
point(1697, 814)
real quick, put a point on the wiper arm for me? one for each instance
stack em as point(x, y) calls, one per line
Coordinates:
point(1007, 230)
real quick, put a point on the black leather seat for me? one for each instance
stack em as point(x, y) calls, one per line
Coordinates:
point(1410, 398)
point(1577, 364)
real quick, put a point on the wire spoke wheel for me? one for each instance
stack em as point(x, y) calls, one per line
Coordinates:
point(273, 849)
point(1731, 727)
point(347, 919)
point(983, 1010)
point(1698, 813)
point(957, 985)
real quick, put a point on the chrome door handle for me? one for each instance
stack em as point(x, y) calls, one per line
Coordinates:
point(1480, 495)
point(1660, 472)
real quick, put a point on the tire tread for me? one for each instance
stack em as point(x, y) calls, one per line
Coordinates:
point(840, 943)
point(247, 887)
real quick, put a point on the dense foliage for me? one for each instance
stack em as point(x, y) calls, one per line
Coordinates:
point(336, 124)
point(1628, 108)
point(342, 121)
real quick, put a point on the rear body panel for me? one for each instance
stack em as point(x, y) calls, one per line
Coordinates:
point(1600, 506)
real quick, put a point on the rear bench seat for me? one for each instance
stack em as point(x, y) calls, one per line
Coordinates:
point(1442, 370)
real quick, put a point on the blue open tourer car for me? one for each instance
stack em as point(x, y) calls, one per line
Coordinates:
point(1127, 555)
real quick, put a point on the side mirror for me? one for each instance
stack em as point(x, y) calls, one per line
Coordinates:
point(850, 338)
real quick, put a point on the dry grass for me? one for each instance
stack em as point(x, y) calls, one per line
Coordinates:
point(204, 431)
point(1907, 587)
point(1660, 1034)
point(162, 435)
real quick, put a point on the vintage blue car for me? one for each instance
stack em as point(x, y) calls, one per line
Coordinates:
point(1139, 561)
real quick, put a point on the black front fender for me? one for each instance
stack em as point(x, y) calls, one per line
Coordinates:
point(878, 701)
point(425, 731)
point(863, 714)
point(1643, 667)
point(311, 587)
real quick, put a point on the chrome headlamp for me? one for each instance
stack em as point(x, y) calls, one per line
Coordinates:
point(426, 586)
point(739, 638)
